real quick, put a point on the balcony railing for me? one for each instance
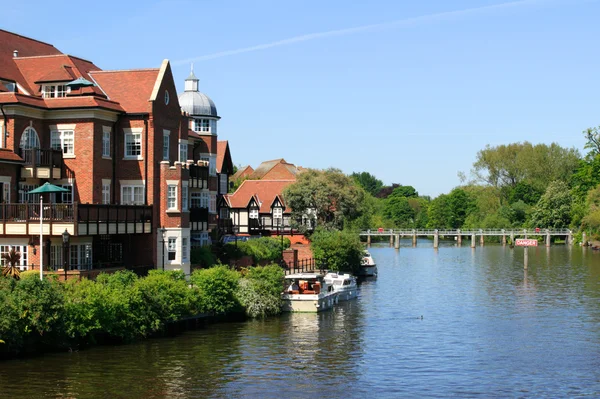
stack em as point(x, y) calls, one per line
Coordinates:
point(199, 214)
point(82, 214)
point(42, 157)
point(225, 226)
point(198, 176)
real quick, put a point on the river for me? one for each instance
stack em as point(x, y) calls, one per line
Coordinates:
point(455, 322)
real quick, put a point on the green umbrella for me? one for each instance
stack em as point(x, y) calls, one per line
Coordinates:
point(80, 82)
point(45, 188)
point(48, 188)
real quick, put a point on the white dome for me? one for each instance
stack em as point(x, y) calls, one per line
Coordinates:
point(195, 103)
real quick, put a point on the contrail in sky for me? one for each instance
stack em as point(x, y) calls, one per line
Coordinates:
point(347, 31)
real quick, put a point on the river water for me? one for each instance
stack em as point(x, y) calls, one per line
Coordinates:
point(456, 322)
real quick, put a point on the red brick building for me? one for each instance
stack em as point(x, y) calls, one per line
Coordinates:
point(132, 161)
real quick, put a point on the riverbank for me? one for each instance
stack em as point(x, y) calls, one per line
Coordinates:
point(48, 315)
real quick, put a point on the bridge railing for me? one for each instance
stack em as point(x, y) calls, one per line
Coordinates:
point(477, 232)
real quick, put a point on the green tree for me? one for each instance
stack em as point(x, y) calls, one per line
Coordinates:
point(368, 182)
point(461, 204)
point(439, 214)
point(553, 210)
point(326, 196)
point(398, 210)
point(337, 250)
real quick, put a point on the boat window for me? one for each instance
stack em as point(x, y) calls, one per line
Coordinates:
point(346, 282)
point(337, 282)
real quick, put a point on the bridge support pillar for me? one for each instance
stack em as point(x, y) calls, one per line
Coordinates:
point(458, 238)
point(397, 243)
point(414, 240)
point(473, 240)
point(512, 239)
point(436, 239)
point(584, 239)
point(547, 238)
point(570, 238)
point(391, 238)
point(503, 238)
point(481, 241)
point(368, 238)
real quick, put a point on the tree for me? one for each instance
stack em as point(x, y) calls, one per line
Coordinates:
point(553, 210)
point(368, 182)
point(461, 204)
point(337, 250)
point(439, 214)
point(328, 196)
point(592, 135)
point(10, 261)
point(399, 211)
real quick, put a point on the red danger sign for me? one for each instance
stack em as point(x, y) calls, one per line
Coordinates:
point(524, 242)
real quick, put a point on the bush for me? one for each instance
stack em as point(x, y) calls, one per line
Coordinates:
point(337, 250)
point(216, 288)
point(260, 291)
point(202, 257)
point(264, 249)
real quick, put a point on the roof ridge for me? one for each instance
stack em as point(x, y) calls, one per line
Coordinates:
point(53, 55)
point(127, 70)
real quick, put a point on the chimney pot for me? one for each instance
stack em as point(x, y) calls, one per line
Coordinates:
point(15, 53)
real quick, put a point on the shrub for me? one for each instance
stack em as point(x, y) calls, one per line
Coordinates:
point(202, 257)
point(264, 249)
point(260, 291)
point(337, 250)
point(216, 288)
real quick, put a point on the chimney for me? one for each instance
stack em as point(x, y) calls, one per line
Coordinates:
point(15, 53)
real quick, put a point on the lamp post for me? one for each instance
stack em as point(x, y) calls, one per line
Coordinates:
point(162, 241)
point(66, 237)
point(235, 229)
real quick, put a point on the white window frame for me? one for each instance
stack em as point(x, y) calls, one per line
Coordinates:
point(55, 90)
point(212, 204)
point(63, 140)
point(171, 249)
point(2, 138)
point(172, 197)
point(29, 138)
point(106, 142)
point(277, 212)
point(253, 213)
point(133, 136)
point(185, 198)
point(129, 190)
point(204, 200)
point(202, 125)
point(22, 249)
point(223, 183)
point(183, 150)
point(166, 144)
point(196, 200)
point(105, 191)
point(185, 250)
point(81, 256)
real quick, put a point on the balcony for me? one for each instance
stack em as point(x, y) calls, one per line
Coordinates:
point(198, 215)
point(78, 219)
point(198, 176)
point(42, 163)
point(225, 226)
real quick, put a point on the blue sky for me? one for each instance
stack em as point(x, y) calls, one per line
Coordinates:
point(406, 90)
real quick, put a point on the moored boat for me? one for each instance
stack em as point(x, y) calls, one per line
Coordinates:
point(344, 284)
point(308, 292)
point(368, 268)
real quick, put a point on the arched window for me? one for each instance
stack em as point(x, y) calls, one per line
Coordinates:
point(30, 139)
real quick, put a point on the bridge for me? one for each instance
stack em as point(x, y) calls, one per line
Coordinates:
point(396, 234)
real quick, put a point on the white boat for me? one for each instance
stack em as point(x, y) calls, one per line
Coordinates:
point(308, 292)
point(344, 284)
point(368, 267)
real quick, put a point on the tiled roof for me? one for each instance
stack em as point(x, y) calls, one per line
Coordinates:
point(224, 162)
point(132, 88)
point(287, 170)
point(59, 103)
point(243, 172)
point(8, 155)
point(265, 190)
point(26, 47)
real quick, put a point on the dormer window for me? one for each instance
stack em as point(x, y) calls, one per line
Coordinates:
point(202, 125)
point(277, 212)
point(55, 91)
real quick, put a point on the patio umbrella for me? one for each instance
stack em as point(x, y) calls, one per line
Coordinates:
point(45, 188)
point(79, 83)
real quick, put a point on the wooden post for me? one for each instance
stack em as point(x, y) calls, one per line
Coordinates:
point(525, 257)
point(436, 238)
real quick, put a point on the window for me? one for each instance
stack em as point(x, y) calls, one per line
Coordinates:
point(172, 248)
point(132, 195)
point(277, 213)
point(167, 97)
point(204, 199)
point(66, 197)
point(200, 239)
point(171, 196)
point(224, 213)
point(223, 183)
point(24, 197)
point(253, 213)
point(54, 91)
point(81, 256)
point(63, 140)
point(5, 192)
point(184, 198)
point(30, 139)
point(202, 125)
point(133, 144)
point(106, 144)
point(196, 200)
point(2, 138)
point(20, 249)
point(166, 136)
point(184, 249)
point(212, 206)
point(106, 193)
point(183, 151)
